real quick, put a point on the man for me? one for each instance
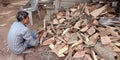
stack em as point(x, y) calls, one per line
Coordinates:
point(19, 37)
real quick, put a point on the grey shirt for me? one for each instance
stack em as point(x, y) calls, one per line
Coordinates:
point(19, 37)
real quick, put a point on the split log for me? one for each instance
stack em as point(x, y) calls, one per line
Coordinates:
point(96, 12)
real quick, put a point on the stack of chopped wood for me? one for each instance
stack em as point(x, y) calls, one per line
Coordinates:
point(77, 33)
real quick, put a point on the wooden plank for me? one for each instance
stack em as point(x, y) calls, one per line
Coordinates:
point(105, 40)
point(97, 12)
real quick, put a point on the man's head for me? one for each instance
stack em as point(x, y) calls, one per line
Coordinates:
point(22, 16)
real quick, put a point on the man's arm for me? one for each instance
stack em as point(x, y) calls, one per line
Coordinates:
point(28, 37)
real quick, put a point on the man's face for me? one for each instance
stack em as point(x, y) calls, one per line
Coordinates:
point(26, 21)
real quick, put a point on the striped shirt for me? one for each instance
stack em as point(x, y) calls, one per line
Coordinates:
point(18, 35)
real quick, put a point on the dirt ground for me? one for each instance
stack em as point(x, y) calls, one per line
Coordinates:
point(7, 17)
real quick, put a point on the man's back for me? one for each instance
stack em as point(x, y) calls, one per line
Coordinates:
point(15, 37)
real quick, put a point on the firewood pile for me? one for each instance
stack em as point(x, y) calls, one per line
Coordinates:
point(84, 32)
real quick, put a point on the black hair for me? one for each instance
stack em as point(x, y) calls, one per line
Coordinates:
point(21, 15)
